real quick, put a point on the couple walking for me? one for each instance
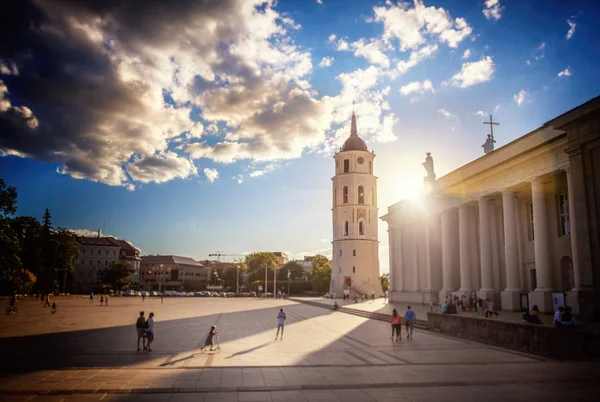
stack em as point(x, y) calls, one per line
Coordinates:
point(409, 318)
point(145, 331)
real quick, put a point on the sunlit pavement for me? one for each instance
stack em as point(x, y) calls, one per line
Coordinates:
point(88, 352)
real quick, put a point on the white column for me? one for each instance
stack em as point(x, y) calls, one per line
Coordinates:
point(510, 295)
point(399, 260)
point(446, 254)
point(510, 242)
point(465, 250)
point(485, 246)
point(541, 244)
point(392, 253)
point(573, 230)
point(415, 256)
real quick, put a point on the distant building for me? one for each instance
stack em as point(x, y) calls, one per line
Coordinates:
point(97, 253)
point(282, 258)
point(130, 256)
point(171, 272)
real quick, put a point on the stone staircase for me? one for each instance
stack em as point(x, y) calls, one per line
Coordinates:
point(420, 324)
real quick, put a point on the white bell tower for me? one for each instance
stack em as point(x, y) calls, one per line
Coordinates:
point(355, 262)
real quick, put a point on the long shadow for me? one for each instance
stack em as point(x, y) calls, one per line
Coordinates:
point(244, 352)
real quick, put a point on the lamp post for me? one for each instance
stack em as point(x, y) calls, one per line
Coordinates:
point(237, 283)
point(160, 278)
point(289, 274)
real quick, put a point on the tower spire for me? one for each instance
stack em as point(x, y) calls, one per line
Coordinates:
point(353, 130)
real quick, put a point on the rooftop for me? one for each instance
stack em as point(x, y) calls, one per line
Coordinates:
point(98, 241)
point(169, 259)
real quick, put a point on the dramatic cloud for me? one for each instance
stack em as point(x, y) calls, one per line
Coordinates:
point(416, 57)
point(571, 30)
point(466, 54)
point(445, 113)
point(492, 10)
point(106, 89)
point(420, 87)
point(565, 73)
point(473, 73)
point(370, 50)
point(159, 168)
point(326, 61)
point(412, 26)
point(211, 174)
point(520, 97)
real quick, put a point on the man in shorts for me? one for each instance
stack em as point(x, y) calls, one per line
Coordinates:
point(140, 326)
point(410, 318)
point(280, 323)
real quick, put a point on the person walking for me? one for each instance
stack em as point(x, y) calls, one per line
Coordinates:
point(161, 298)
point(143, 297)
point(106, 300)
point(149, 331)
point(53, 311)
point(281, 317)
point(47, 302)
point(396, 326)
point(140, 325)
point(410, 319)
point(91, 297)
point(101, 300)
point(209, 339)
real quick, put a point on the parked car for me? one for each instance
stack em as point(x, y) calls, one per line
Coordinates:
point(230, 294)
point(129, 293)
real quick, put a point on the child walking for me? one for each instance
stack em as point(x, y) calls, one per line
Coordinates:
point(209, 339)
point(53, 311)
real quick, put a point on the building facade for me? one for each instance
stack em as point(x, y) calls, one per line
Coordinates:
point(130, 256)
point(97, 253)
point(516, 225)
point(171, 272)
point(355, 262)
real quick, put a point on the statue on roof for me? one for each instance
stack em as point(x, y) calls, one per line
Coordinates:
point(488, 146)
point(428, 165)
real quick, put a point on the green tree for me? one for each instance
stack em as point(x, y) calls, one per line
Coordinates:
point(229, 277)
point(385, 281)
point(66, 252)
point(48, 275)
point(256, 263)
point(320, 274)
point(296, 271)
point(10, 262)
point(117, 276)
point(8, 200)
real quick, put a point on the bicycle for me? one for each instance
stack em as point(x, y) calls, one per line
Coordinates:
point(11, 310)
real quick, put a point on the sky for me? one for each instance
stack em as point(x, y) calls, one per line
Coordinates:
point(200, 127)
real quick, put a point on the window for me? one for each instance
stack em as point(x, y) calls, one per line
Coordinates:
point(106, 252)
point(340, 252)
point(82, 251)
point(98, 263)
point(563, 214)
point(114, 253)
point(99, 252)
point(530, 218)
point(361, 195)
point(346, 165)
point(345, 195)
point(354, 252)
point(361, 230)
point(106, 263)
point(91, 263)
point(370, 167)
point(353, 270)
point(373, 196)
point(346, 228)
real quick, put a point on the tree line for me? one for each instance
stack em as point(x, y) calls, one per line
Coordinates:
point(34, 256)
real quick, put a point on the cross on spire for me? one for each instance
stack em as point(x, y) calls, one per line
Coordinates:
point(492, 124)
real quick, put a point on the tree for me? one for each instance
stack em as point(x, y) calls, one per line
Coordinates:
point(117, 276)
point(320, 274)
point(256, 263)
point(385, 281)
point(66, 252)
point(9, 239)
point(8, 200)
point(296, 271)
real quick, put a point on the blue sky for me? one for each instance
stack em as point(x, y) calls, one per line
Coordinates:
point(210, 127)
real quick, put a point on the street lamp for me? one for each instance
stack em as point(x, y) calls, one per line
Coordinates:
point(160, 278)
point(237, 283)
point(289, 274)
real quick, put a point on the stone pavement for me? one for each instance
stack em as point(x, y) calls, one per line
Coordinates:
point(325, 355)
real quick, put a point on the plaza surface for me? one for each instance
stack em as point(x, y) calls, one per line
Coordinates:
point(88, 352)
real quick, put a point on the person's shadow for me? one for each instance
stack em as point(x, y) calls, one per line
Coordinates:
point(243, 352)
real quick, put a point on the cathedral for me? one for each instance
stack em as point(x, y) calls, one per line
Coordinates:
point(519, 226)
point(355, 263)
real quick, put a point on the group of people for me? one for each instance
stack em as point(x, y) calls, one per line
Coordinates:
point(145, 331)
point(409, 320)
point(473, 304)
point(103, 299)
point(563, 317)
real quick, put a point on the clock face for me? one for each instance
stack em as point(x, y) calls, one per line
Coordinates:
point(361, 160)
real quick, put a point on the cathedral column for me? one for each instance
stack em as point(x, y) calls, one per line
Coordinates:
point(392, 255)
point(485, 245)
point(466, 285)
point(415, 256)
point(399, 260)
point(446, 254)
point(510, 295)
point(542, 295)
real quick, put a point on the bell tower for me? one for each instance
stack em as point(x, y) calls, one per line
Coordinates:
point(355, 262)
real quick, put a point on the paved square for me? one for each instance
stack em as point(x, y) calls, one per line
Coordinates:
point(88, 352)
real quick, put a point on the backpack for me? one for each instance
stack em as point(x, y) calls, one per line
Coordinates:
point(140, 323)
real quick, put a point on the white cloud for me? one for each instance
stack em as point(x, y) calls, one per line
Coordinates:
point(420, 87)
point(412, 26)
point(446, 113)
point(565, 73)
point(370, 50)
point(91, 233)
point(571, 30)
point(473, 73)
point(481, 113)
point(264, 170)
point(160, 168)
point(8, 68)
point(466, 54)
point(211, 174)
point(416, 57)
point(342, 45)
point(493, 9)
point(520, 97)
point(239, 178)
point(331, 38)
point(320, 1)
point(326, 61)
